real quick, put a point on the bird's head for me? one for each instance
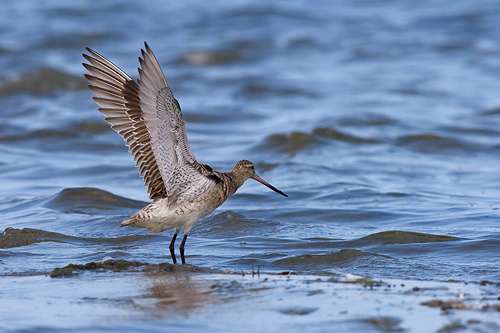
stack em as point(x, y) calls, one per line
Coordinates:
point(244, 170)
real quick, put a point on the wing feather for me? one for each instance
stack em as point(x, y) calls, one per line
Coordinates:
point(182, 174)
point(117, 95)
point(149, 118)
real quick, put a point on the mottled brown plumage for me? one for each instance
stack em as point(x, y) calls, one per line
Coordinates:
point(149, 118)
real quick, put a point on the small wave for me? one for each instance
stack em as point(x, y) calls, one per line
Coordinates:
point(88, 200)
point(12, 237)
point(491, 112)
point(289, 143)
point(366, 120)
point(89, 127)
point(230, 224)
point(255, 12)
point(432, 143)
point(488, 245)
point(208, 57)
point(38, 136)
point(40, 82)
point(259, 90)
point(401, 237)
point(331, 133)
point(296, 141)
point(77, 136)
point(322, 261)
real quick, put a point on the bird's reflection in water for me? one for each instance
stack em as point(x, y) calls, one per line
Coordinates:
point(174, 293)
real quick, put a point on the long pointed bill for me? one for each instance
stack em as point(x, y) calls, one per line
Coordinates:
point(262, 181)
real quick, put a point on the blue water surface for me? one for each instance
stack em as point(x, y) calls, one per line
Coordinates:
point(379, 119)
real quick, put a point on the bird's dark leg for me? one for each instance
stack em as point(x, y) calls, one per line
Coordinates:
point(172, 248)
point(181, 248)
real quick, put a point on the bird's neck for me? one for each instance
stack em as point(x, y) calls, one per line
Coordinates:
point(232, 182)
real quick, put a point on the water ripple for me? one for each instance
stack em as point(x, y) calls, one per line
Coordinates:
point(12, 237)
point(317, 262)
point(89, 200)
point(40, 82)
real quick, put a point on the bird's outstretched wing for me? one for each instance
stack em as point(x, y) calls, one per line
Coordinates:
point(149, 118)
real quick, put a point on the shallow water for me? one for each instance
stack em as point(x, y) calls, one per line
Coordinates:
point(185, 302)
point(380, 120)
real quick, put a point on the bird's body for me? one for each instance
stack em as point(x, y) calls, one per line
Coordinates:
point(158, 216)
point(149, 118)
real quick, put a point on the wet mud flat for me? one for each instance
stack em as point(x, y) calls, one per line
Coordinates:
point(126, 296)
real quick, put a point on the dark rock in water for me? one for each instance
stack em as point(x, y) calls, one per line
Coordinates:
point(60, 272)
point(114, 265)
point(124, 265)
point(448, 305)
point(385, 324)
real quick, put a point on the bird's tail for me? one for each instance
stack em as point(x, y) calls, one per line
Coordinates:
point(145, 218)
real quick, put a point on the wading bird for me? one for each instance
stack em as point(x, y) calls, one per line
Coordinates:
point(146, 114)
